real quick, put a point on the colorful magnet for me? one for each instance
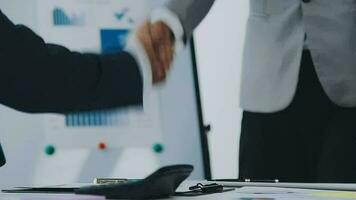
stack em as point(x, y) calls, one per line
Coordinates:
point(50, 150)
point(102, 146)
point(158, 148)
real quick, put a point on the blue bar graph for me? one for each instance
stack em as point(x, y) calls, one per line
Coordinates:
point(61, 18)
point(96, 118)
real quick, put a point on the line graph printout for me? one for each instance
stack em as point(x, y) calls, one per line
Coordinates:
point(98, 26)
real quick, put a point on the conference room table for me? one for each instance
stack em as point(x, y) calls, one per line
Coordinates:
point(241, 191)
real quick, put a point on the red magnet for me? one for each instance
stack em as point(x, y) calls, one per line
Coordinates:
point(102, 146)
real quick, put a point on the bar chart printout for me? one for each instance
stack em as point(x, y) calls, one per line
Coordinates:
point(66, 22)
point(97, 119)
point(61, 18)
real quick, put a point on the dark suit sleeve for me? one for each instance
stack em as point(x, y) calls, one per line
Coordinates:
point(39, 77)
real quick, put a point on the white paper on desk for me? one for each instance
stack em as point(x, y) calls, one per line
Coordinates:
point(64, 186)
point(314, 186)
point(64, 197)
point(273, 193)
point(52, 189)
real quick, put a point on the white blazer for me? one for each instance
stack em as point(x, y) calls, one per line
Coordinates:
point(276, 31)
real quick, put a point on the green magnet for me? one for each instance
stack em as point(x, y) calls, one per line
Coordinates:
point(158, 148)
point(50, 150)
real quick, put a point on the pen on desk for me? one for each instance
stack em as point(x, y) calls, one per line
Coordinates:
point(113, 180)
point(247, 180)
point(109, 180)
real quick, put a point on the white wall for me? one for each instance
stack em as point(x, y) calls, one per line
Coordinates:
point(26, 8)
point(219, 42)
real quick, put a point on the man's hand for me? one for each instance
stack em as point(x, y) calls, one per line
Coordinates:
point(158, 42)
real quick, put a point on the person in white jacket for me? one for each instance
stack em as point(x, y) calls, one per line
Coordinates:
point(298, 88)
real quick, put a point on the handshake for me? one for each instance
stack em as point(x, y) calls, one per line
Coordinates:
point(158, 43)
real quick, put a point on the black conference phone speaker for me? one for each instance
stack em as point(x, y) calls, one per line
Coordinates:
point(2, 157)
point(161, 184)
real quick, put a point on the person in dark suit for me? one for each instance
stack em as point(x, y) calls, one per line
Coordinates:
point(2, 157)
point(37, 77)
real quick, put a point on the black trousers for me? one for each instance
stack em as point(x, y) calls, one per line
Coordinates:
point(2, 157)
point(312, 140)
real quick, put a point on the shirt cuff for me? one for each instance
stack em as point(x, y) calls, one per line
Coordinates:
point(168, 17)
point(136, 49)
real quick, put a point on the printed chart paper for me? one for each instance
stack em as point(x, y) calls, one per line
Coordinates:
point(98, 26)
